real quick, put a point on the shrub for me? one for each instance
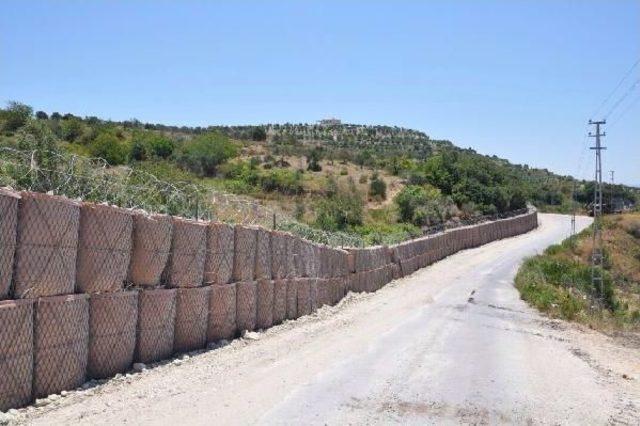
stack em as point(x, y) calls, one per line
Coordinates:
point(204, 153)
point(378, 187)
point(107, 146)
point(15, 116)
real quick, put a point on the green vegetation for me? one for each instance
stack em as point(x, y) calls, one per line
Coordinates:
point(378, 183)
point(558, 281)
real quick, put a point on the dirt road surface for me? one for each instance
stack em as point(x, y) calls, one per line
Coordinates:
point(451, 344)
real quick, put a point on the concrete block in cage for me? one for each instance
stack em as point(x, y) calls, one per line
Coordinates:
point(46, 248)
point(185, 266)
point(151, 248)
point(220, 253)
point(304, 296)
point(292, 298)
point(156, 324)
point(246, 305)
point(61, 343)
point(263, 254)
point(222, 312)
point(16, 353)
point(113, 319)
point(192, 316)
point(279, 301)
point(8, 225)
point(245, 256)
point(265, 303)
point(104, 248)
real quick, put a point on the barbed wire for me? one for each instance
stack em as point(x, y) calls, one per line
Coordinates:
point(92, 179)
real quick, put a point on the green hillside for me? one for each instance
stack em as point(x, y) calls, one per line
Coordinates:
point(380, 183)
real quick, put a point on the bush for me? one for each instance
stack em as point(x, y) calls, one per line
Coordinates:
point(15, 116)
point(283, 181)
point(109, 147)
point(378, 188)
point(146, 145)
point(339, 212)
point(203, 154)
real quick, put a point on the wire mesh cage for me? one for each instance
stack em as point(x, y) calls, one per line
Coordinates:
point(246, 305)
point(8, 226)
point(263, 254)
point(47, 241)
point(113, 318)
point(265, 303)
point(222, 312)
point(279, 301)
point(304, 296)
point(292, 298)
point(219, 254)
point(151, 248)
point(16, 353)
point(61, 343)
point(104, 248)
point(156, 322)
point(245, 253)
point(185, 266)
point(192, 316)
point(279, 268)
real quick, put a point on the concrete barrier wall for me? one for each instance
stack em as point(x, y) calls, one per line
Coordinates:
point(95, 284)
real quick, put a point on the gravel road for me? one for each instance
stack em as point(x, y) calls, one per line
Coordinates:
point(450, 344)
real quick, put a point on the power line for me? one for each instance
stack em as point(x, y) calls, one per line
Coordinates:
point(624, 77)
point(622, 98)
point(624, 111)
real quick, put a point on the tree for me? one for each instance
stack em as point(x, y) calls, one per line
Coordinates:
point(72, 128)
point(204, 153)
point(56, 116)
point(107, 146)
point(339, 212)
point(36, 136)
point(258, 134)
point(377, 187)
point(15, 116)
point(41, 115)
point(313, 160)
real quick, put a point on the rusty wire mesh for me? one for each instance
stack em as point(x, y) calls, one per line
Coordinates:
point(16, 353)
point(8, 225)
point(192, 316)
point(263, 254)
point(113, 318)
point(279, 301)
point(185, 266)
point(278, 255)
point(220, 253)
point(304, 296)
point(46, 248)
point(151, 248)
point(104, 248)
point(222, 312)
point(246, 305)
point(156, 322)
point(61, 343)
point(265, 304)
point(245, 253)
point(292, 298)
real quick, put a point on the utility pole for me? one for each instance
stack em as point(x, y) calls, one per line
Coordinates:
point(597, 254)
point(611, 172)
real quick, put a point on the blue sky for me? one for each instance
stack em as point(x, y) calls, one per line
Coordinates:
point(518, 79)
